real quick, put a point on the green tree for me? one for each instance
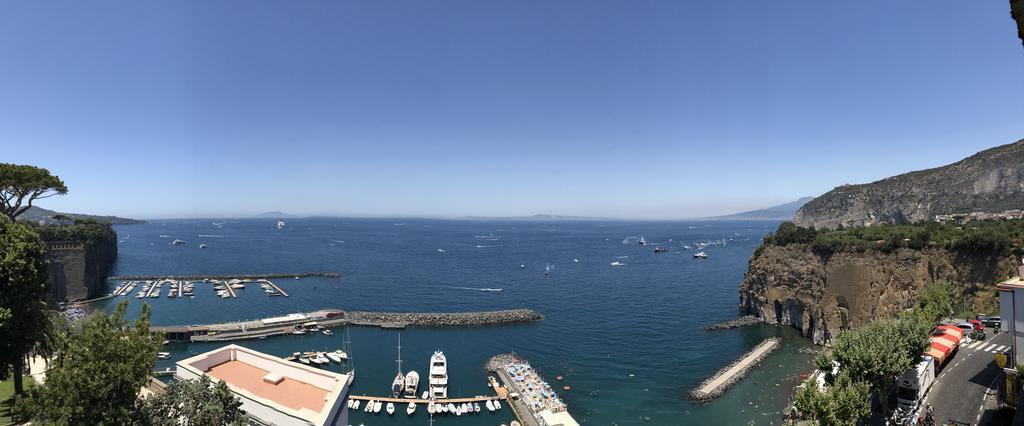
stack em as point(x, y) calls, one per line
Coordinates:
point(95, 378)
point(877, 353)
point(192, 402)
point(936, 301)
point(20, 185)
point(23, 293)
point(844, 403)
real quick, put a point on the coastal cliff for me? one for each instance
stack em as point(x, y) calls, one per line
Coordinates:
point(80, 257)
point(821, 294)
point(989, 181)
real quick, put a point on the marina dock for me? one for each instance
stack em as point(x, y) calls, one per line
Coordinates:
point(716, 385)
point(251, 277)
point(532, 399)
point(423, 401)
point(276, 288)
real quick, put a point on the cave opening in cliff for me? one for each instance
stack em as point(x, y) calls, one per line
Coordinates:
point(778, 312)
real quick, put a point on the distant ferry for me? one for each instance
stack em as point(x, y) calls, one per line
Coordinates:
point(280, 223)
point(438, 375)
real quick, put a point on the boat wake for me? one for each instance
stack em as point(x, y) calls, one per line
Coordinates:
point(480, 246)
point(338, 241)
point(477, 289)
point(211, 236)
point(166, 236)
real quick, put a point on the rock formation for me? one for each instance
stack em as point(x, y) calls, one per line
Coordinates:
point(989, 181)
point(821, 295)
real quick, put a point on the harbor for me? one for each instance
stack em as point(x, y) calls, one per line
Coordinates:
point(206, 277)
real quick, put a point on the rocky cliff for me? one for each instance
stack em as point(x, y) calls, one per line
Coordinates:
point(989, 181)
point(823, 294)
point(80, 258)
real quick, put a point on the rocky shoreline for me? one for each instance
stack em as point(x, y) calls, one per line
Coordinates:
point(441, 319)
point(736, 323)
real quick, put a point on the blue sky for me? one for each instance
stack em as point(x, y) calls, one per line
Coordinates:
point(630, 109)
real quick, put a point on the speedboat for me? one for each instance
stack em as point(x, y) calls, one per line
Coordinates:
point(660, 250)
point(476, 407)
point(439, 376)
point(490, 405)
point(376, 406)
point(450, 407)
point(177, 242)
point(334, 357)
point(458, 410)
point(425, 395)
point(298, 331)
point(369, 406)
point(412, 382)
point(327, 332)
point(203, 246)
point(617, 263)
point(497, 405)
point(355, 405)
point(304, 360)
point(391, 408)
point(280, 223)
point(430, 407)
point(163, 355)
point(341, 355)
point(411, 408)
point(700, 255)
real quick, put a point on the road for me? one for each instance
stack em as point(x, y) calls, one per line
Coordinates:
point(965, 389)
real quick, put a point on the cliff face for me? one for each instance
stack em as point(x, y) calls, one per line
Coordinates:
point(989, 181)
point(791, 285)
point(77, 270)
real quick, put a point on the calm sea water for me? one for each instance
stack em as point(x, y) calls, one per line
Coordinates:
point(628, 339)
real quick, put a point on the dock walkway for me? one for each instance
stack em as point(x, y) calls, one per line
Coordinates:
point(279, 290)
point(717, 384)
point(200, 277)
point(423, 401)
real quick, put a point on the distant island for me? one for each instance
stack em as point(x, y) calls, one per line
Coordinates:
point(41, 215)
point(780, 212)
point(273, 215)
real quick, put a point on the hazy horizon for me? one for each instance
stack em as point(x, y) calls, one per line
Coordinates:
point(655, 110)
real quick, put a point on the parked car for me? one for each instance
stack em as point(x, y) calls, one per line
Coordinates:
point(977, 324)
point(966, 327)
point(994, 322)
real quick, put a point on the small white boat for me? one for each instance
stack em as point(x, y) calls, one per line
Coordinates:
point(299, 331)
point(369, 406)
point(203, 246)
point(411, 408)
point(304, 360)
point(617, 263)
point(177, 242)
point(458, 410)
point(514, 423)
point(412, 382)
point(355, 405)
point(490, 405)
point(280, 223)
point(334, 357)
point(341, 355)
point(575, 261)
point(328, 332)
point(391, 408)
point(450, 407)
point(441, 251)
point(700, 255)
point(376, 406)
point(497, 405)
point(163, 355)
point(476, 407)
point(425, 395)
point(430, 407)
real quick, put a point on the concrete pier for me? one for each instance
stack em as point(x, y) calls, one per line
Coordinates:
point(278, 289)
point(716, 385)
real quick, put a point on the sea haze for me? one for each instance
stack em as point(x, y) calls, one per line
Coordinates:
point(628, 339)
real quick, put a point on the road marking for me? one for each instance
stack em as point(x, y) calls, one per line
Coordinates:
point(986, 348)
point(973, 345)
point(1002, 348)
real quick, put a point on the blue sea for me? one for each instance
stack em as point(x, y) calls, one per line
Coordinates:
point(627, 339)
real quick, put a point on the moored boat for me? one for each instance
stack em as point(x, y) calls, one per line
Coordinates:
point(490, 405)
point(412, 382)
point(391, 408)
point(439, 376)
point(411, 408)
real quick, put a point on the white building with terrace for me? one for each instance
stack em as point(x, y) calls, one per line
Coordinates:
point(274, 391)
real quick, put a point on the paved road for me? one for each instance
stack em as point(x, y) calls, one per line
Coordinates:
point(964, 391)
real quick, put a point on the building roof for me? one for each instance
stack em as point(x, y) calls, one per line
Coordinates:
point(1010, 284)
point(561, 418)
point(294, 389)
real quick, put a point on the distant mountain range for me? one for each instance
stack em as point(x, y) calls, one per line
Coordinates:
point(990, 181)
point(274, 215)
point(39, 214)
point(780, 212)
point(534, 217)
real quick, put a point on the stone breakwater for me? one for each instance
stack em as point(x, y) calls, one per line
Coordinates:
point(716, 385)
point(736, 323)
point(442, 319)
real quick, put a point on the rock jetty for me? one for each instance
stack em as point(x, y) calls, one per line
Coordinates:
point(717, 384)
point(736, 323)
point(441, 319)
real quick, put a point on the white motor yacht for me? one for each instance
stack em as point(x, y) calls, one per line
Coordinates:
point(439, 376)
point(490, 405)
point(411, 408)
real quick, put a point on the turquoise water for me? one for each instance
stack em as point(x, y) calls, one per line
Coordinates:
point(629, 340)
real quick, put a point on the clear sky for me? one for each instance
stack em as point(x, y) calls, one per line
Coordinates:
point(630, 109)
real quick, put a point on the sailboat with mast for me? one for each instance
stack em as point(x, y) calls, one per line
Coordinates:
point(398, 386)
